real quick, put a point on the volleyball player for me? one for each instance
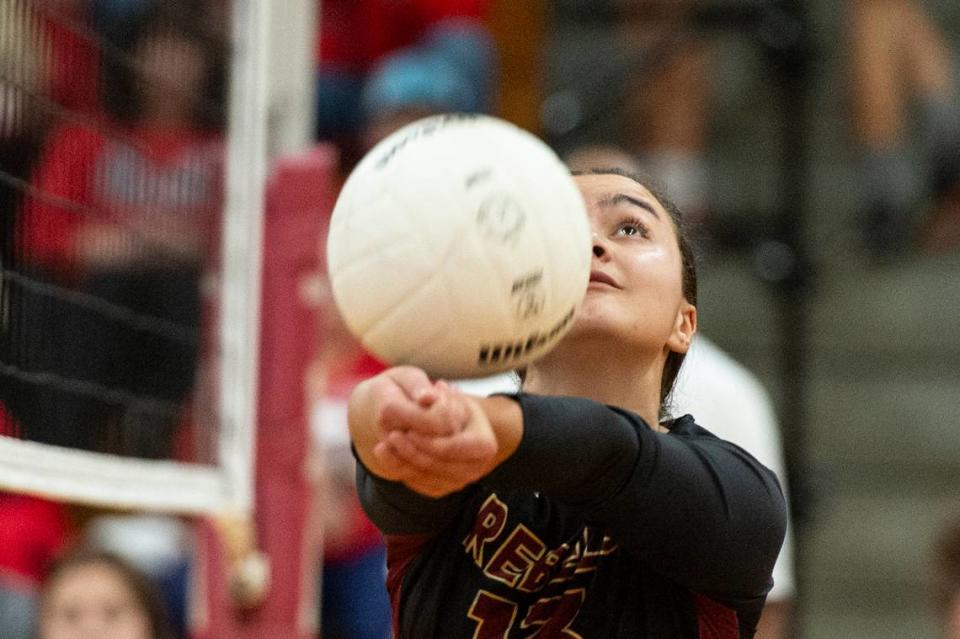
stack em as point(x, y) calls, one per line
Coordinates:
point(574, 508)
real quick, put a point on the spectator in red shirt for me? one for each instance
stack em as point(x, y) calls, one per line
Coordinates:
point(125, 212)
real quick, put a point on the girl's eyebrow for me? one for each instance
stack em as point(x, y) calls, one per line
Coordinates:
point(620, 198)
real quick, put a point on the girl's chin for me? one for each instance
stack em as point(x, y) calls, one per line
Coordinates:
point(594, 325)
point(593, 315)
point(592, 328)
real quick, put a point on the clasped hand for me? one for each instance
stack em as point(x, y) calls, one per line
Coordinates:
point(430, 435)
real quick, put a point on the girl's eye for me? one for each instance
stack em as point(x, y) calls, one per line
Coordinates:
point(632, 227)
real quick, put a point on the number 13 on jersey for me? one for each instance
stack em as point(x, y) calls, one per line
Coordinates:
point(547, 618)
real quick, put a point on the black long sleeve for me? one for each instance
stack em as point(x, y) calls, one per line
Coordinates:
point(397, 510)
point(694, 508)
point(697, 509)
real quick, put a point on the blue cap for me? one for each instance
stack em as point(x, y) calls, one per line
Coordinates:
point(417, 80)
point(450, 70)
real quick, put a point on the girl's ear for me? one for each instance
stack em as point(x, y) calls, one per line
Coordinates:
point(684, 328)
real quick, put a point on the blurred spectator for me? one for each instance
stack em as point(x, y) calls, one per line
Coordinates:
point(49, 65)
point(379, 60)
point(354, 602)
point(899, 57)
point(635, 71)
point(36, 50)
point(22, 78)
point(125, 212)
point(32, 532)
point(159, 546)
point(112, 18)
point(946, 578)
point(666, 114)
point(91, 593)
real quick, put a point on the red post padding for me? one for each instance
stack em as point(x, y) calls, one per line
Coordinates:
point(300, 195)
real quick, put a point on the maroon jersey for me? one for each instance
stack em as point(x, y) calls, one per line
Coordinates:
point(596, 527)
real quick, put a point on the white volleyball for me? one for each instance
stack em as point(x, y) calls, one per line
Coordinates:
point(459, 244)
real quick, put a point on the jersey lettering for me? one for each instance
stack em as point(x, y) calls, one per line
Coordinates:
point(570, 561)
point(487, 526)
point(516, 556)
point(592, 557)
point(553, 615)
point(548, 617)
point(522, 560)
point(536, 577)
point(494, 615)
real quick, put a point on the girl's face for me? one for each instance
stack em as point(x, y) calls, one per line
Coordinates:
point(92, 601)
point(635, 292)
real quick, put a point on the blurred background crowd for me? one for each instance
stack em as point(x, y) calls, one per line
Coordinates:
point(816, 144)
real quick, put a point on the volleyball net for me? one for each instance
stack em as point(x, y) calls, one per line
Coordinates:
point(132, 176)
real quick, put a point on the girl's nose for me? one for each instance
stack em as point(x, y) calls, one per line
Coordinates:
point(598, 250)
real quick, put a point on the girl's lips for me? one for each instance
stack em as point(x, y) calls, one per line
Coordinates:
point(602, 278)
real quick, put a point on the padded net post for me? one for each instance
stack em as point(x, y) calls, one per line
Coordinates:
point(299, 201)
